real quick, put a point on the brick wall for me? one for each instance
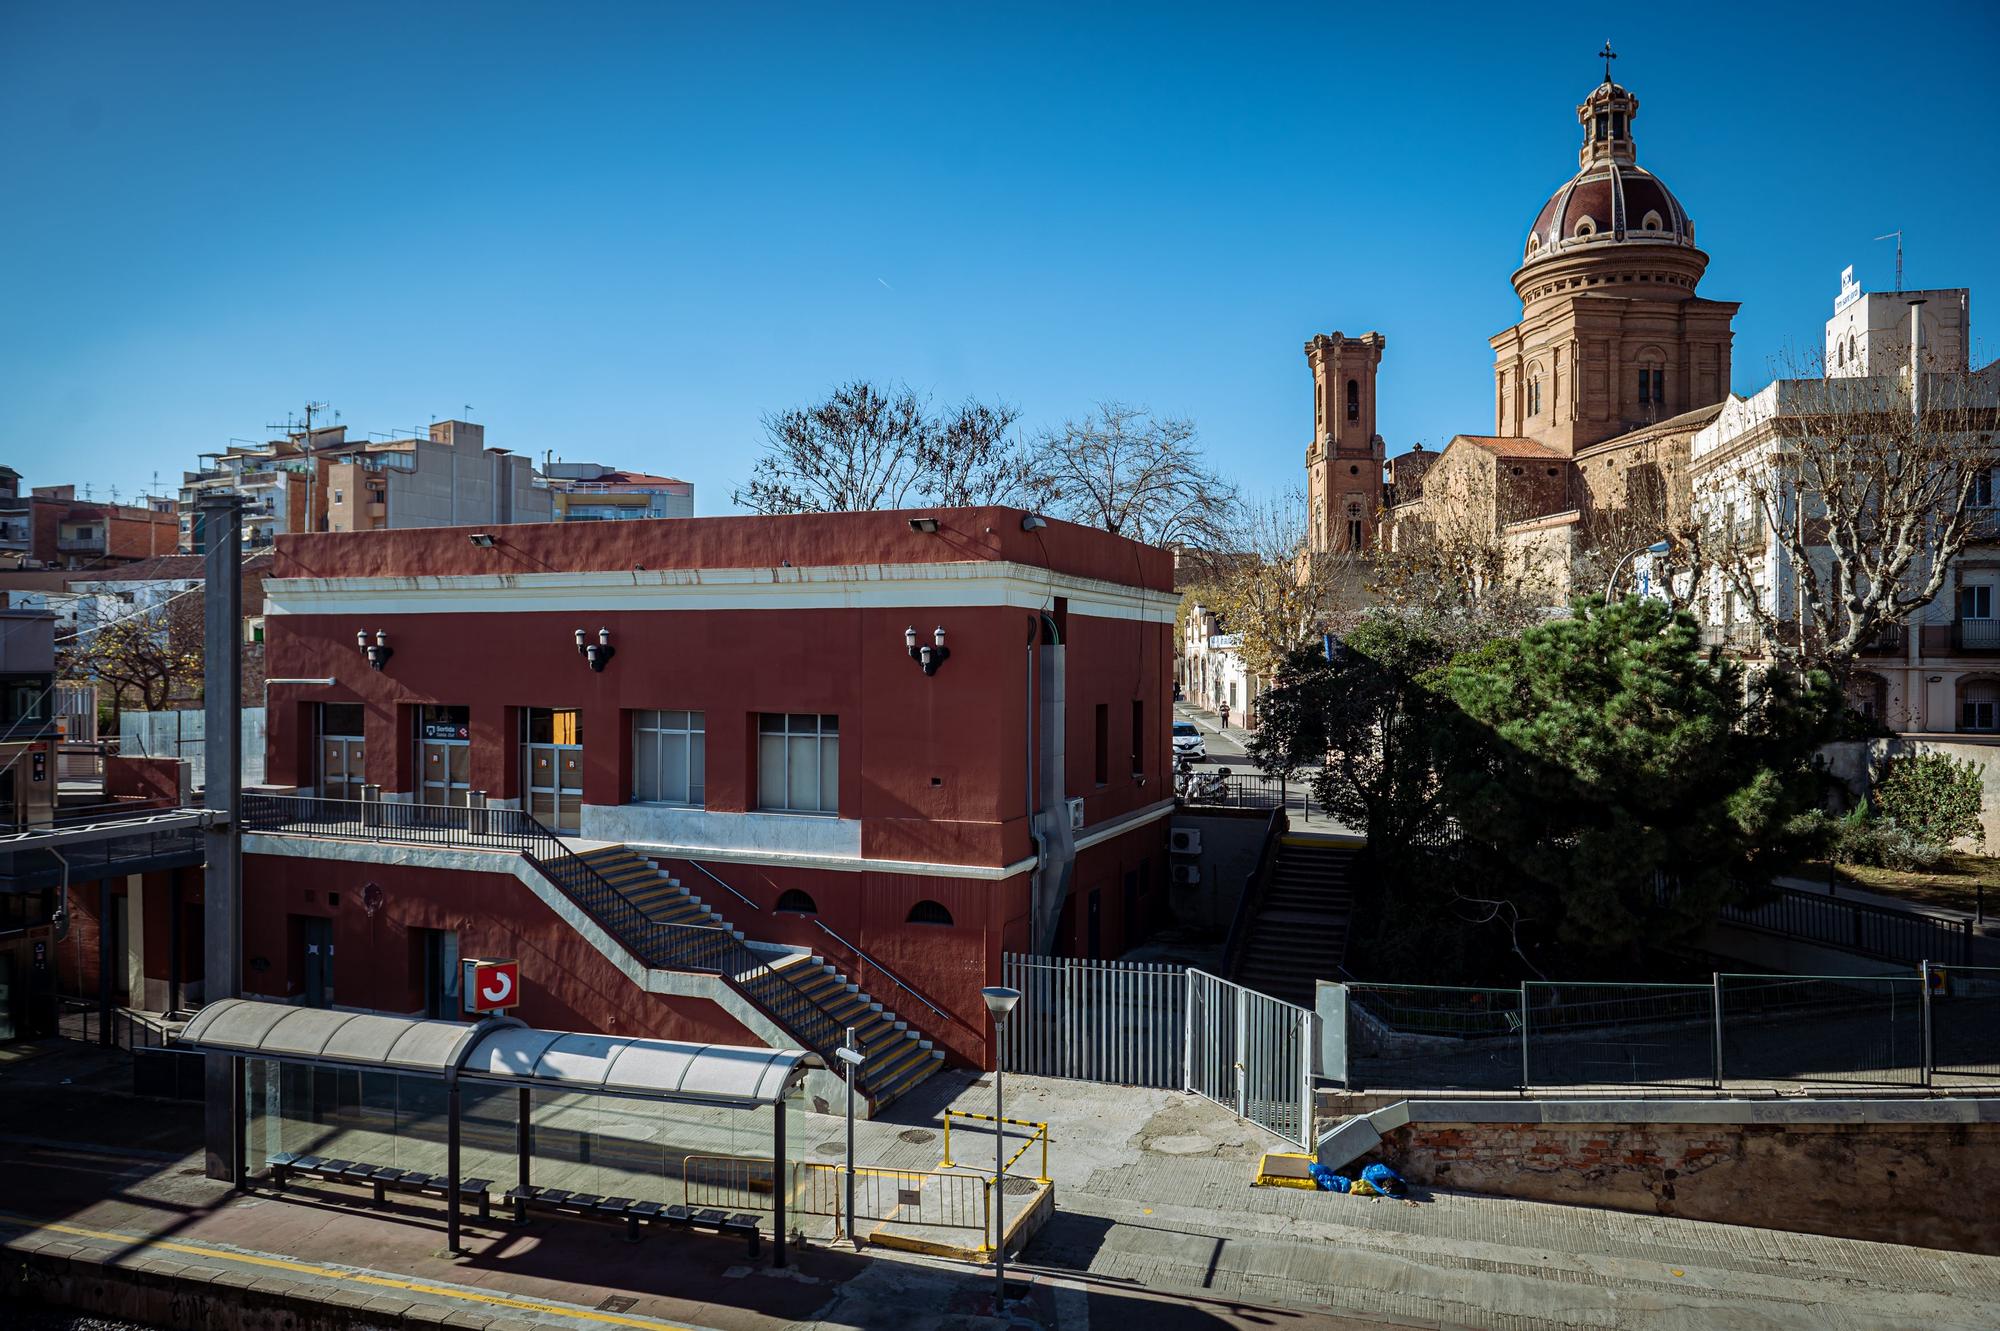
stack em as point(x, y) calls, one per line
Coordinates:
point(1930, 1184)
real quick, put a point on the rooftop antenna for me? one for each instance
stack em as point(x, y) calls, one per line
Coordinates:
point(1897, 236)
point(468, 411)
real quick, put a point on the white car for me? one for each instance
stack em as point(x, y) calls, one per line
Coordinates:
point(1188, 743)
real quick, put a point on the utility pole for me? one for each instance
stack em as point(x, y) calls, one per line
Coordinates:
point(312, 409)
point(222, 788)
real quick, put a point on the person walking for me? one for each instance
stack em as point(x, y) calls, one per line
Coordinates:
point(1225, 716)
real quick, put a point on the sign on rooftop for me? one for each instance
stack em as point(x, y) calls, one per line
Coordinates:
point(1850, 290)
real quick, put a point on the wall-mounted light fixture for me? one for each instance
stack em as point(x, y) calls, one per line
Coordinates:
point(598, 653)
point(481, 539)
point(932, 654)
point(1033, 522)
point(378, 652)
point(924, 524)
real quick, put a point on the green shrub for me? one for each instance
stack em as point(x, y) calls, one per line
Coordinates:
point(1935, 797)
point(1861, 837)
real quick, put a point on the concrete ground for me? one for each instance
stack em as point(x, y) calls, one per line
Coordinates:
point(1157, 1226)
point(1228, 746)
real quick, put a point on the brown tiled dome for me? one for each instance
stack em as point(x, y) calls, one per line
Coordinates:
point(1609, 203)
point(1612, 200)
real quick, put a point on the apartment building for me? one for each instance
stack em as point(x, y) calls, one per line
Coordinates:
point(1940, 673)
point(320, 480)
point(50, 528)
point(592, 492)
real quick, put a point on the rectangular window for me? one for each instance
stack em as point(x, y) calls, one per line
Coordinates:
point(1976, 714)
point(669, 757)
point(1975, 602)
point(1645, 385)
point(1659, 386)
point(1138, 739)
point(1982, 490)
point(1102, 752)
point(798, 762)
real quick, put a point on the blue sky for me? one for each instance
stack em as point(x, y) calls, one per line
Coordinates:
point(626, 232)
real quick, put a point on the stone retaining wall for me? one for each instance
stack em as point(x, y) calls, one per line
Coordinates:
point(1927, 1183)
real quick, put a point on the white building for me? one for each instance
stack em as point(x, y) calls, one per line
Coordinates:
point(592, 492)
point(1940, 673)
point(1212, 671)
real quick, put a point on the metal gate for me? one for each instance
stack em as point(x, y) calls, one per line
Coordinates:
point(1113, 1021)
point(1252, 1054)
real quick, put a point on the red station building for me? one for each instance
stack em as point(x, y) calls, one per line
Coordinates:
point(726, 721)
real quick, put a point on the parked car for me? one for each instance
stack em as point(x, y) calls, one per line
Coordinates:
point(1188, 742)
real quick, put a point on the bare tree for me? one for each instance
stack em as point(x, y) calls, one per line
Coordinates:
point(145, 657)
point(870, 448)
point(1133, 474)
point(1871, 488)
point(1273, 593)
point(967, 458)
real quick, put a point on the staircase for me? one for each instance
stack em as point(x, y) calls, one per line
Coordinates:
point(802, 993)
point(1298, 931)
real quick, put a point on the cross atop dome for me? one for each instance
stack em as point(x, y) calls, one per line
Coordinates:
point(1609, 56)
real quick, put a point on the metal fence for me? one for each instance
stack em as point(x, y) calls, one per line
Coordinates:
point(1251, 1053)
point(1855, 926)
point(907, 1196)
point(1929, 1026)
point(1112, 1021)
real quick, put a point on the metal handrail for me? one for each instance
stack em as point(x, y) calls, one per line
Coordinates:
point(1899, 935)
point(887, 974)
point(714, 878)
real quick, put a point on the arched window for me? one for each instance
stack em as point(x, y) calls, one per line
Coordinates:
point(1535, 396)
point(929, 912)
point(1586, 227)
point(1652, 221)
point(1839, 353)
point(795, 902)
point(1353, 400)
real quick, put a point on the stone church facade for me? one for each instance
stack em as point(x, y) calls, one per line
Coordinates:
point(1615, 363)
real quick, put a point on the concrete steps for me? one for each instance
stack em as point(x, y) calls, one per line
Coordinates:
point(1299, 933)
point(899, 1056)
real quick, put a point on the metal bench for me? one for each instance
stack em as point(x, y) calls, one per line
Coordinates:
point(380, 1179)
point(632, 1214)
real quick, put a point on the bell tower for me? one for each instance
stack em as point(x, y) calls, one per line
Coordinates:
point(1344, 460)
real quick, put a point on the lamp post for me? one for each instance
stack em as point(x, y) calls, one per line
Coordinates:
point(999, 1001)
point(851, 1056)
point(1656, 548)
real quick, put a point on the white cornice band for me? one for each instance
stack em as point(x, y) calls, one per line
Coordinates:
point(846, 586)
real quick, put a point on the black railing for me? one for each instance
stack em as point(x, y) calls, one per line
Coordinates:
point(456, 826)
point(143, 851)
point(1976, 635)
point(1854, 926)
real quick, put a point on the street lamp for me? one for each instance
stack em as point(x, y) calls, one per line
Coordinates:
point(1000, 1001)
point(1656, 548)
point(850, 1054)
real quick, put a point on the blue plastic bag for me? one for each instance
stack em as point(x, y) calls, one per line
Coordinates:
point(1385, 1180)
point(1328, 1181)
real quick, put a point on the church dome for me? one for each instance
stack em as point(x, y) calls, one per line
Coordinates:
point(1611, 201)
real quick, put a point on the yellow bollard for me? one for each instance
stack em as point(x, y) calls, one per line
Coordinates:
point(946, 1162)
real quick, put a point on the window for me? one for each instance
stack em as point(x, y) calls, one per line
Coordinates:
point(1101, 766)
point(929, 912)
point(1982, 490)
point(669, 757)
point(1138, 738)
point(1534, 397)
point(1652, 384)
point(1354, 532)
point(798, 762)
point(1353, 400)
point(796, 902)
point(1976, 601)
point(1979, 705)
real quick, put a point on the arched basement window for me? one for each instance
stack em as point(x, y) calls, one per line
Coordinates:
point(797, 902)
point(929, 912)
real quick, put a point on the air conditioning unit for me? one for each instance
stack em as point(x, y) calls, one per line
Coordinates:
point(1187, 875)
point(1076, 814)
point(1184, 841)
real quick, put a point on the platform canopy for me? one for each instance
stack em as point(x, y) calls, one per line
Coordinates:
point(502, 1051)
